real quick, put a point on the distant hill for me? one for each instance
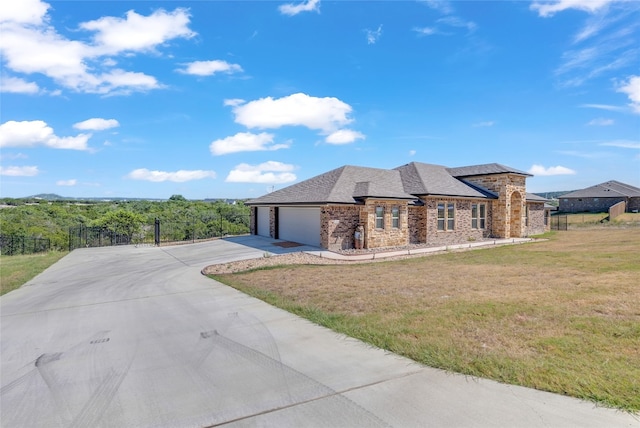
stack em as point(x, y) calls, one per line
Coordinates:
point(48, 197)
point(553, 195)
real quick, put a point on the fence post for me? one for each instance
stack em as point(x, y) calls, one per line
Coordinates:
point(156, 232)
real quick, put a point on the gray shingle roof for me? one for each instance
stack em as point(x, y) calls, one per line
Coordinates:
point(485, 169)
point(344, 185)
point(609, 189)
point(427, 179)
point(535, 198)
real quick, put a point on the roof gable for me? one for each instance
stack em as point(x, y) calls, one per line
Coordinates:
point(343, 185)
point(428, 179)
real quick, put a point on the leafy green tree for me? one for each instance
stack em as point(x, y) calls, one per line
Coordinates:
point(121, 222)
point(177, 198)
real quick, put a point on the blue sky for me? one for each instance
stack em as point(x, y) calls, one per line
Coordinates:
point(230, 99)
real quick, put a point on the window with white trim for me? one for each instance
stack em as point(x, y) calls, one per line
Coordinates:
point(395, 217)
point(446, 216)
point(478, 216)
point(379, 217)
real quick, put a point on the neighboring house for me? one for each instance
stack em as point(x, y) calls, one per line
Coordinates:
point(601, 197)
point(416, 203)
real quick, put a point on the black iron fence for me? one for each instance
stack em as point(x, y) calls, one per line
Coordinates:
point(162, 232)
point(11, 245)
point(559, 222)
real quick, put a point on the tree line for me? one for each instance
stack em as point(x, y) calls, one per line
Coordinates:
point(186, 219)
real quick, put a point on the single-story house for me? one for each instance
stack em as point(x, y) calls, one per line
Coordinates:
point(416, 203)
point(601, 197)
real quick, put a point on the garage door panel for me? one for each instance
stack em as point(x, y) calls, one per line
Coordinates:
point(300, 225)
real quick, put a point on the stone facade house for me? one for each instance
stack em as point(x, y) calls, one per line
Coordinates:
point(601, 197)
point(416, 203)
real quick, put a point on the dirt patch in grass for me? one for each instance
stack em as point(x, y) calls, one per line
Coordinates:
point(561, 315)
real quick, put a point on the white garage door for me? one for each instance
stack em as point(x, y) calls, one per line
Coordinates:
point(300, 225)
point(263, 221)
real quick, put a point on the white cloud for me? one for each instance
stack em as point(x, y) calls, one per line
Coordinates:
point(270, 172)
point(442, 6)
point(546, 9)
point(294, 9)
point(208, 68)
point(344, 136)
point(625, 144)
point(373, 35)
point(233, 102)
point(19, 171)
point(121, 82)
point(552, 170)
point(427, 31)
point(455, 21)
point(38, 133)
point(585, 155)
point(180, 176)
point(604, 45)
point(412, 152)
point(137, 32)
point(69, 183)
point(326, 114)
point(245, 142)
point(23, 12)
point(632, 89)
point(603, 107)
point(96, 124)
point(30, 45)
point(17, 85)
point(485, 124)
point(600, 121)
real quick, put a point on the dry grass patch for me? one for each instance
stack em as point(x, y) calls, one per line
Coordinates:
point(561, 315)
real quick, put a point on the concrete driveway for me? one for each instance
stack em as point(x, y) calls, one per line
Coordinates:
point(137, 337)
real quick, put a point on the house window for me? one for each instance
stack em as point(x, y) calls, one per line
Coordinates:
point(526, 215)
point(379, 217)
point(446, 216)
point(395, 217)
point(546, 217)
point(478, 216)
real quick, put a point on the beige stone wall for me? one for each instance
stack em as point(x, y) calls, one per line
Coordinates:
point(463, 231)
point(505, 185)
point(338, 225)
point(387, 236)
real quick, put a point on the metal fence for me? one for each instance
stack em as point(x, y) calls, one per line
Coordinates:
point(11, 245)
point(559, 222)
point(85, 236)
point(162, 232)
